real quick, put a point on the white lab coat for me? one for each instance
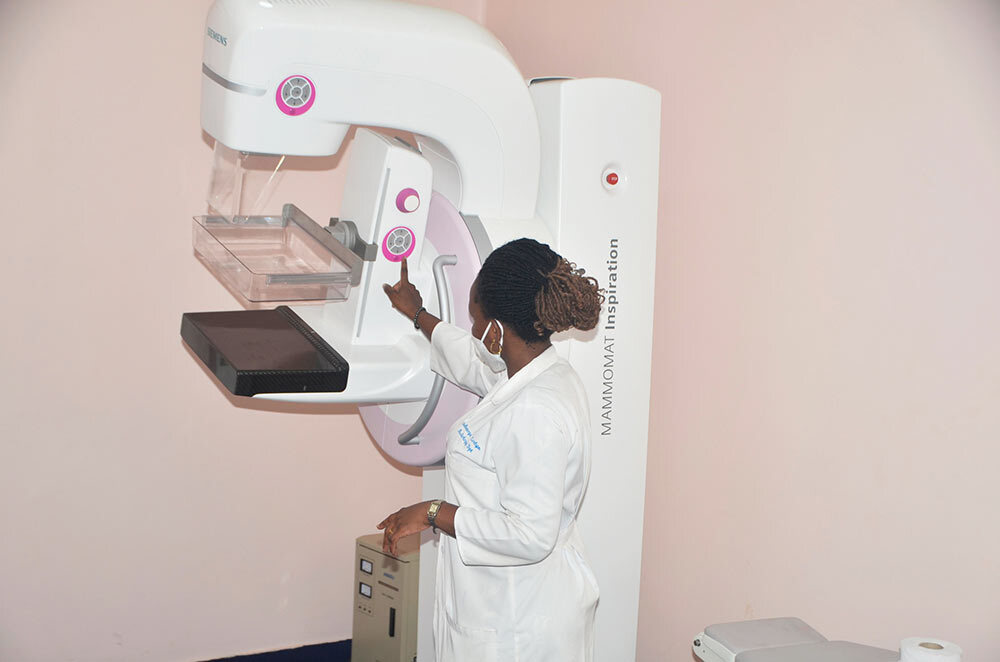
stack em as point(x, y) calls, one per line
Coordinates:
point(514, 584)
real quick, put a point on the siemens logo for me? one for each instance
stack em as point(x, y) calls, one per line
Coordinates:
point(216, 36)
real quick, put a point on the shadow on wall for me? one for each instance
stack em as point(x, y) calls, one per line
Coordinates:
point(312, 409)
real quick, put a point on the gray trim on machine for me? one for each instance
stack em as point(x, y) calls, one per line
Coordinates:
point(412, 435)
point(479, 236)
point(230, 85)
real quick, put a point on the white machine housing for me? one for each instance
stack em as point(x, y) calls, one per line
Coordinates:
point(375, 63)
point(573, 163)
point(388, 359)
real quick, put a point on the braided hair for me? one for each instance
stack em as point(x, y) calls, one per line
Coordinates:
point(532, 289)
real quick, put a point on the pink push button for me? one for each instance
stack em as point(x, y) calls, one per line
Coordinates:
point(295, 95)
point(408, 201)
point(398, 243)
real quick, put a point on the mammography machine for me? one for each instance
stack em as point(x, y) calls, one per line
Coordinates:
point(570, 162)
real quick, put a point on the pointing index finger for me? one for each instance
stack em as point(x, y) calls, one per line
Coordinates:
point(404, 272)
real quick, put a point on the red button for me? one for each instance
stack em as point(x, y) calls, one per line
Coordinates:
point(612, 178)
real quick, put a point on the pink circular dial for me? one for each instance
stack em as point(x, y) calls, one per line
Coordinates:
point(398, 244)
point(295, 95)
point(408, 201)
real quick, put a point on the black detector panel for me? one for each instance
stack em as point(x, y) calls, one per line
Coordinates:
point(264, 351)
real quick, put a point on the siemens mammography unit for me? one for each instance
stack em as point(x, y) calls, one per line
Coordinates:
point(570, 162)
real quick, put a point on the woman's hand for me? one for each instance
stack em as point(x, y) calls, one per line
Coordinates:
point(403, 295)
point(404, 522)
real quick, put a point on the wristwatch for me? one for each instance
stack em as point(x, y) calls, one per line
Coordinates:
point(432, 512)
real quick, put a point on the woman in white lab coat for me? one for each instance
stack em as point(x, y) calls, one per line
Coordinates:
point(513, 582)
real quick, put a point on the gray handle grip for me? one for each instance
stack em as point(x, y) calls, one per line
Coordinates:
point(412, 435)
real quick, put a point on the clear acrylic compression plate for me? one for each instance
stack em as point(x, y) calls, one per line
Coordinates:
point(263, 255)
point(273, 258)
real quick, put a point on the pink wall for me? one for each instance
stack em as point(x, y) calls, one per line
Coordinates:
point(145, 515)
point(826, 380)
point(827, 371)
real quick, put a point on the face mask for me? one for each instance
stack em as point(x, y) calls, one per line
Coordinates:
point(493, 361)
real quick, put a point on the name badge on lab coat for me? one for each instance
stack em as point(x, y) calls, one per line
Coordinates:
point(469, 442)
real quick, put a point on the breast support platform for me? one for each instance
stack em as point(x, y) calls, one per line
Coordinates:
point(571, 162)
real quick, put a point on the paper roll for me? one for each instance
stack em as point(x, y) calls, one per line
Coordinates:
point(926, 649)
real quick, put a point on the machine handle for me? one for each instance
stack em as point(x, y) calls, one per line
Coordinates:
point(411, 436)
point(350, 259)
